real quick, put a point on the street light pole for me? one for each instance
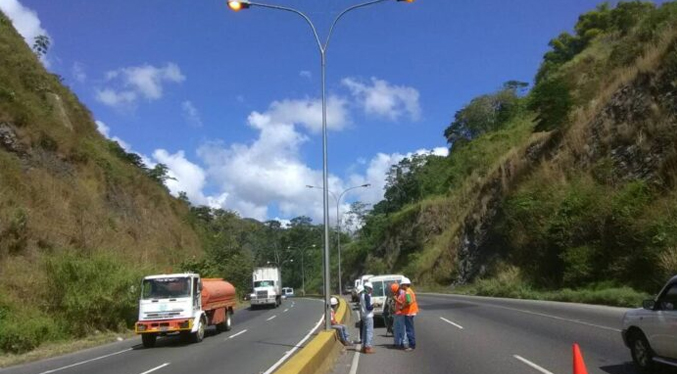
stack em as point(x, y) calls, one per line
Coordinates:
point(338, 226)
point(238, 5)
point(303, 266)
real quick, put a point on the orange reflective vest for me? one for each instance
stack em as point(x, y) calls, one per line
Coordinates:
point(410, 306)
point(400, 299)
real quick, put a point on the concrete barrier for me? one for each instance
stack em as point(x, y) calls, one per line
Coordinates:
point(319, 354)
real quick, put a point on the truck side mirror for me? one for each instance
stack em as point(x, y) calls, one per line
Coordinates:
point(649, 304)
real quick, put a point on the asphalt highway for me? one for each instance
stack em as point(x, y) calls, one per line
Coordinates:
point(258, 340)
point(472, 335)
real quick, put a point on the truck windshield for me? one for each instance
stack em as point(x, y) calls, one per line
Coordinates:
point(165, 288)
point(263, 283)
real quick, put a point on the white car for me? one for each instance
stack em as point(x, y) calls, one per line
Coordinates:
point(651, 332)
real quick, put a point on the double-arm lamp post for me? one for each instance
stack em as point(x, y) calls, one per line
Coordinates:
point(338, 225)
point(303, 266)
point(246, 4)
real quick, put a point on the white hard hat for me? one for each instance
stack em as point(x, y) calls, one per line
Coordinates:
point(368, 285)
point(360, 288)
point(406, 280)
point(333, 301)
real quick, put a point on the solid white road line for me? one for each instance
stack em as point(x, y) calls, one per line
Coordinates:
point(578, 321)
point(271, 317)
point(286, 310)
point(297, 346)
point(451, 323)
point(156, 368)
point(86, 361)
point(529, 363)
point(356, 362)
point(238, 334)
point(558, 318)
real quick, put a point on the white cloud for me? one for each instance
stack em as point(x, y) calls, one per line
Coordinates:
point(305, 74)
point(270, 169)
point(186, 176)
point(308, 113)
point(114, 98)
point(191, 114)
point(105, 131)
point(384, 99)
point(103, 128)
point(78, 71)
point(26, 22)
point(131, 83)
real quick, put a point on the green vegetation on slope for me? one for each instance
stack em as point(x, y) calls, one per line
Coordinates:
point(80, 221)
point(588, 206)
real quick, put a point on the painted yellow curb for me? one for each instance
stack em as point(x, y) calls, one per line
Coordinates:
point(319, 354)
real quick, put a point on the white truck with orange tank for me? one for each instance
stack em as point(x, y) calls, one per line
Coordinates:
point(185, 304)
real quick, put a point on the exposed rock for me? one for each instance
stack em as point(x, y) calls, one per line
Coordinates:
point(56, 102)
point(9, 141)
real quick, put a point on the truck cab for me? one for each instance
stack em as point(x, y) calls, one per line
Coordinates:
point(266, 282)
point(183, 304)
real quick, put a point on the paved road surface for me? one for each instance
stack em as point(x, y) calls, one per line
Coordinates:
point(258, 340)
point(469, 335)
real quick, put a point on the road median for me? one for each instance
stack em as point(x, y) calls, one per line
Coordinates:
point(319, 354)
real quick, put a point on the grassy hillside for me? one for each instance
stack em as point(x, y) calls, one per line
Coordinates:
point(569, 186)
point(80, 221)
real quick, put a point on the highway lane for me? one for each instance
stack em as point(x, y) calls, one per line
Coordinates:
point(258, 340)
point(469, 335)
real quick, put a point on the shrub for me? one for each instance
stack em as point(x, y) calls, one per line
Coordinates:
point(578, 265)
point(97, 292)
point(23, 329)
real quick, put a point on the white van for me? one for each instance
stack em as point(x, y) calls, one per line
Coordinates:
point(287, 292)
point(382, 285)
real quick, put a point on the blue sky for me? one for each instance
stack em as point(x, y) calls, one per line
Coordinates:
point(229, 101)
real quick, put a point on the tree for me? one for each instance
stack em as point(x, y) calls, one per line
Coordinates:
point(183, 196)
point(41, 45)
point(160, 173)
point(485, 113)
point(355, 217)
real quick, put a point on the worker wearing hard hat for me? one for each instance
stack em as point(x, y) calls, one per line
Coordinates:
point(344, 336)
point(398, 315)
point(360, 290)
point(410, 310)
point(367, 313)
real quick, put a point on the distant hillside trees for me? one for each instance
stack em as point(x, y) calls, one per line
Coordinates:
point(485, 113)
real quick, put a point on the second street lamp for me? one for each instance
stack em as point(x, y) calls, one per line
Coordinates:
point(338, 226)
point(245, 4)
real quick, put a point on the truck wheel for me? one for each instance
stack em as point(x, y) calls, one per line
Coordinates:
point(227, 324)
point(148, 340)
point(229, 320)
point(198, 335)
point(642, 355)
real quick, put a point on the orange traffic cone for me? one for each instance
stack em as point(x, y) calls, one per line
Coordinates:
point(579, 365)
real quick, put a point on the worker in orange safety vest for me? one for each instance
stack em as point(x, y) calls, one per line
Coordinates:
point(410, 311)
point(398, 315)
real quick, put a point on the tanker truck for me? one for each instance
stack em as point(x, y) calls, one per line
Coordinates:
point(183, 304)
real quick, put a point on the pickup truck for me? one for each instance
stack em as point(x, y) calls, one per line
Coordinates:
point(651, 331)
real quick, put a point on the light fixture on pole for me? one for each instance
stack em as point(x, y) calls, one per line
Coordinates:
point(238, 5)
point(338, 226)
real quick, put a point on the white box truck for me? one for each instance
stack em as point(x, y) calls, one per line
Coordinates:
point(266, 282)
